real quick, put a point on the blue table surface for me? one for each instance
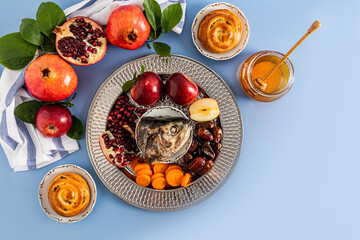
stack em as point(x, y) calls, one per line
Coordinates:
point(298, 171)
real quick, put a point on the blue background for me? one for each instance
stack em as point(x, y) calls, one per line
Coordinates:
point(298, 173)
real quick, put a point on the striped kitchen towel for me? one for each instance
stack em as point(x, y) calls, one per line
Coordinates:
point(25, 147)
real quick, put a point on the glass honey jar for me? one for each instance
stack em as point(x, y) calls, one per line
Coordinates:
point(257, 66)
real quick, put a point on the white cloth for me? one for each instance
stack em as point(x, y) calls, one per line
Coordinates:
point(25, 147)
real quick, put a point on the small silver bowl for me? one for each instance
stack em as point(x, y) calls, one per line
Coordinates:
point(166, 112)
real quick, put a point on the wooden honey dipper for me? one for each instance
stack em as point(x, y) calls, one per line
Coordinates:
point(261, 81)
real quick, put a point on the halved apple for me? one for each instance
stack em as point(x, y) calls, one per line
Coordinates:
point(205, 109)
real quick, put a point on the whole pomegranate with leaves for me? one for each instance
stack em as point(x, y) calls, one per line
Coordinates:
point(81, 41)
point(127, 27)
point(50, 79)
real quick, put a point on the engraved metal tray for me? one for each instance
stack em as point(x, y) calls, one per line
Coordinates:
point(165, 200)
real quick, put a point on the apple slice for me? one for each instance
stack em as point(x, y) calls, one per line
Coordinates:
point(205, 109)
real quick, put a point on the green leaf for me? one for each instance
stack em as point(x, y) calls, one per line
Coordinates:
point(153, 35)
point(27, 111)
point(76, 130)
point(170, 17)
point(153, 13)
point(162, 49)
point(48, 46)
point(148, 45)
point(15, 52)
point(49, 15)
point(49, 43)
point(30, 31)
point(127, 85)
point(142, 69)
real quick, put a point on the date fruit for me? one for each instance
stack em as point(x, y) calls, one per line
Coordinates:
point(206, 125)
point(217, 148)
point(217, 134)
point(188, 157)
point(194, 145)
point(192, 173)
point(207, 151)
point(204, 134)
point(197, 164)
point(208, 165)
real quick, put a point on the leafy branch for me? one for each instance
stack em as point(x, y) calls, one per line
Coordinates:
point(18, 49)
point(161, 23)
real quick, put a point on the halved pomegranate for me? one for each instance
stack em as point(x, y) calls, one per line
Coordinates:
point(81, 41)
point(114, 153)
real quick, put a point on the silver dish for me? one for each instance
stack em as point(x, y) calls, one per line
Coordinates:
point(165, 200)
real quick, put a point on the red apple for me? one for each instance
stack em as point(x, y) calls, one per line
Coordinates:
point(181, 89)
point(127, 27)
point(49, 78)
point(147, 90)
point(53, 120)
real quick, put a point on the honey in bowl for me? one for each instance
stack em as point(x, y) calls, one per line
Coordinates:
point(257, 66)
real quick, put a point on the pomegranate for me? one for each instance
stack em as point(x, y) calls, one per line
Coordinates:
point(123, 113)
point(50, 79)
point(127, 27)
point(81, 41)
point(115, 153)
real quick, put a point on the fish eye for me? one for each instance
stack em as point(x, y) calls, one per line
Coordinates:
point(174, 130)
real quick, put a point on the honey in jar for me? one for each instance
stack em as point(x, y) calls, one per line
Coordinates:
point(277, 84)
